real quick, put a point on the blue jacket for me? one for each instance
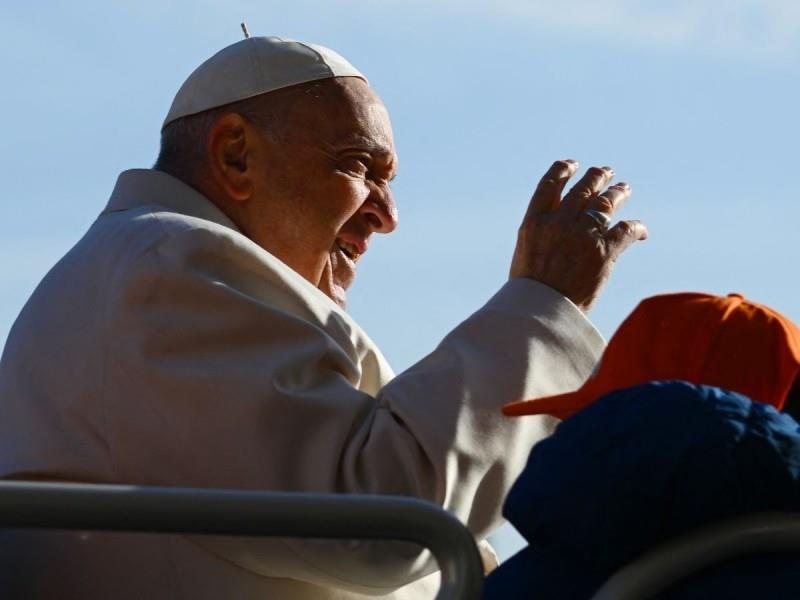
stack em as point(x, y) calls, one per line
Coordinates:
point(638, 467)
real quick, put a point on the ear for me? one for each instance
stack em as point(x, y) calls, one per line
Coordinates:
point(229, 147)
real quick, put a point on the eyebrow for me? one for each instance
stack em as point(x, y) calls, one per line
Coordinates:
point(360, 143)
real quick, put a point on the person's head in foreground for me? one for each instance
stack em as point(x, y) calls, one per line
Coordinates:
point(638, 468)
point(677, 429)
point(724, 341)
point(299, 156)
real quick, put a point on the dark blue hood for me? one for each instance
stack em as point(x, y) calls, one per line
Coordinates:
point(638, 467)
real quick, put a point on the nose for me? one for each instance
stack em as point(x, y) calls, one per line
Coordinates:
point(379, 210)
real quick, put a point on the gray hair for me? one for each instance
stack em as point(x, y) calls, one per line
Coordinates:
point(183, 141)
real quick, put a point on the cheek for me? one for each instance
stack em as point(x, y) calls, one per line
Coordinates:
point(342, 199)
point(315, 202)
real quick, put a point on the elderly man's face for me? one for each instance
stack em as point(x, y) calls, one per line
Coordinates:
point(323, 188)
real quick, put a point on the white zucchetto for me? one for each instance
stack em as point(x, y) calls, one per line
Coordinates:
point(254, 66)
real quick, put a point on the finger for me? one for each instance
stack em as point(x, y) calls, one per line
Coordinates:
point(610, 200)
point(547, 196)
point(623, 234)
point(591, 184)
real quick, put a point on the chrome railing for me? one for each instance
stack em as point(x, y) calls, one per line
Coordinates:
point(248, 513)
point(675, 560)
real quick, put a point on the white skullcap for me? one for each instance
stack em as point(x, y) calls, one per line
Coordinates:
point(254, 66)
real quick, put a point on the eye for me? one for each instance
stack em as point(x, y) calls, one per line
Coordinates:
point(387, 181)
point(358, 165)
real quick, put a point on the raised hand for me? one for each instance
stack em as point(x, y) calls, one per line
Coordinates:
point(568, 244)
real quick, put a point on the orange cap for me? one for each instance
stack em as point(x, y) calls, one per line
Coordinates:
point(725, 341)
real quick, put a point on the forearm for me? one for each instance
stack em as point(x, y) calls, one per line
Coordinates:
point(442, 416)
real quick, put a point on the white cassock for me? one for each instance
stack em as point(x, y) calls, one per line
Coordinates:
point(166, 348)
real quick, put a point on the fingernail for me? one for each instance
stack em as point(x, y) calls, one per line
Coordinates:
point(609, 170)
point(572, 162)
point(623, 184)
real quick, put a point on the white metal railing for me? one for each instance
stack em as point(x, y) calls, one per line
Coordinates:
point(249, 513)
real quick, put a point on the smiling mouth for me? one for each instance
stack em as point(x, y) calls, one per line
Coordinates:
point(349, 250)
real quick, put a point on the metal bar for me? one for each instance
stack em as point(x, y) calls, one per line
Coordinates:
point(248, 513)
point(667, 564)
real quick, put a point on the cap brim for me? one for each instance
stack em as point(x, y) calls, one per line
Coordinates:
point(561, 406)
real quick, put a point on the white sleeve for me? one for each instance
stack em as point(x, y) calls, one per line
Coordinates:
point(219, 373)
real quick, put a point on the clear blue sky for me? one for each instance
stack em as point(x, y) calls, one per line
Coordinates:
point(693, 102)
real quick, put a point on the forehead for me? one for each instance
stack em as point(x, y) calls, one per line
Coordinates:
point(343, 112)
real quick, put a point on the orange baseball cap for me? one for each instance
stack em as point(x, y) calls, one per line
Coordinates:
point(724, 341)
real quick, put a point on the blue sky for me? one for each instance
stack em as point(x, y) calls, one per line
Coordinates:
point(693, 103)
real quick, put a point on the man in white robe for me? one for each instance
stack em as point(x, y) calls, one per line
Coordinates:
point(195, 336)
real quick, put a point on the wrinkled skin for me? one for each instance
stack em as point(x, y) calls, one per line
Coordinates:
point(314, 195)
point(561, 246)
